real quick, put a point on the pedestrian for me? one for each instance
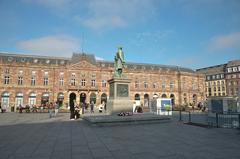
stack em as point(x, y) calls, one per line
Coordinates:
point(76, 111)
point(92, 106)
point(20, 108)
point(50, 109)
point(56, 107)
point(104, 106)
point(3, 108)
point(41, 108)
point(72, 109)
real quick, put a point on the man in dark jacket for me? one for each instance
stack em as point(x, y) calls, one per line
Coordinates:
point(72, 109)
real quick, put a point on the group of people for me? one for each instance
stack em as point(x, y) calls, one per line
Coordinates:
point(76, 109)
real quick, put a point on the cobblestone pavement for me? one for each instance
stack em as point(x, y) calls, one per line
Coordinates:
point(35, 136)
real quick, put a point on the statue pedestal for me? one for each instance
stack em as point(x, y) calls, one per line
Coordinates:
point(119, 96)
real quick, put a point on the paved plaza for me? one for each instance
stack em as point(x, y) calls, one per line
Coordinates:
point(35, 136)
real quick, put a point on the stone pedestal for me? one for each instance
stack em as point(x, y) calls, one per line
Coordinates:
point(119, 96)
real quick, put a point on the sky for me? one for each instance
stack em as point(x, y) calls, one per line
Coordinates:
point(186, 33)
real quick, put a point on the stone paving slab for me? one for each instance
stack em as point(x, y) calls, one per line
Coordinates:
point(28, 136)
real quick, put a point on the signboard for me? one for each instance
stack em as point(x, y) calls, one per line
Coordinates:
point(164, 106)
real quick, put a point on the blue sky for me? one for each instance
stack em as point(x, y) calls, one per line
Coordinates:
point(188, 33)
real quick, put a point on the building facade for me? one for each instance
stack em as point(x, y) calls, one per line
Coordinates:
point(36, 80)
point(222, 80)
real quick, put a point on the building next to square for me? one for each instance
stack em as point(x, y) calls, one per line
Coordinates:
point(223, 79)
point(36, 80)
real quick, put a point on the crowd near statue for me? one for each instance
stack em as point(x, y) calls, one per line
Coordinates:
point(118, 63)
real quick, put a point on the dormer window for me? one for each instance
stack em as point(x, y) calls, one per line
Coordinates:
point(47, 61)
point(35, 60)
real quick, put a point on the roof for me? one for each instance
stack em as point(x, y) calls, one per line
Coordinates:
point(76, 57)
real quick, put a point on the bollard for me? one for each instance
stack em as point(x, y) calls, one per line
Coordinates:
point(180, 115)
point(189, 117)
point(217, 120)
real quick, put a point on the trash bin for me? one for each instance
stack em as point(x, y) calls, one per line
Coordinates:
point(12, 109)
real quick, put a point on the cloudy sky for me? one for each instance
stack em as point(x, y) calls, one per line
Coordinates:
point(188, 33)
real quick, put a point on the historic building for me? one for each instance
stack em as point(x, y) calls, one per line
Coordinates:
point(35, 80)
point(222, 80)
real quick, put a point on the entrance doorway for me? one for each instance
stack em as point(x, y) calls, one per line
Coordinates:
point(146, 100)
point(82, 98)
point(104, 98)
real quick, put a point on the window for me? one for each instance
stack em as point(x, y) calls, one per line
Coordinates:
point(6, 79)
point(93, 83)
point(145, 85)
point(234, 69)
point(222, 82)
point(61, 81)
point(222, 75)
point(154, 85)
point(83, 82)
point(73, 79)
point(213, 76)
point(219, 89)
point(104, 83)
point(171, 85)
point(164, 85)
point(20, 80)
point(214, 89)
point(7, 70)
point(33, 81)
point(208, 77)
point(73, 82)
point(223, 88)
point(45, 81)
point(136, 84)
point(229, 70)
point(217, 76)
point(218, 83)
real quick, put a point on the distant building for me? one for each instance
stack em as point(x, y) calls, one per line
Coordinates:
point(35, 80)
point(223, 79)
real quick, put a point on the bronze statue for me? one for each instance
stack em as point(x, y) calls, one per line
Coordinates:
point(119, 63)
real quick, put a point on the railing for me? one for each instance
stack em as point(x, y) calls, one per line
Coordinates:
point(224, 120)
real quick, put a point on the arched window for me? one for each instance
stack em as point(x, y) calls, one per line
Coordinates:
point(164, 96)
point(137, 97)
point(93, 98)
point(32, 98)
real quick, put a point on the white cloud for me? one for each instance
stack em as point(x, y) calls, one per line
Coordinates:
point(222, 42)
point(120, 13)
point(59, 45)
point(99, 58)
point(100, 14)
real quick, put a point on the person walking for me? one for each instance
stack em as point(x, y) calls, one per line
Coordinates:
point(56, 107)
point(72, 109)
point(92, 106)
point(50, 110)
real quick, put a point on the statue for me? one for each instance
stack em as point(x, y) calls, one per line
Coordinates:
point(118, 63)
